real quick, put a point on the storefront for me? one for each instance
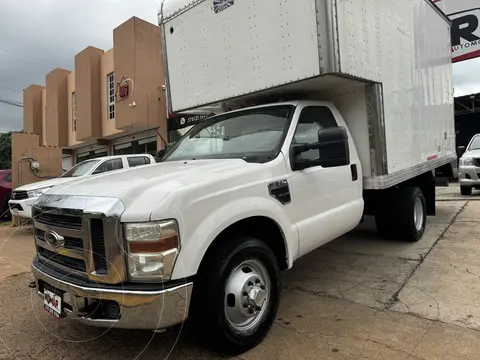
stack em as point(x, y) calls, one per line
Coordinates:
point(91, 152)
point(141, 143)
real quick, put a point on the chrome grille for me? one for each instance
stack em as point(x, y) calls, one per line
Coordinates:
point(58, 220)
point(98, 246)
point(476, 162)
point(90, 232)
point(19, 195)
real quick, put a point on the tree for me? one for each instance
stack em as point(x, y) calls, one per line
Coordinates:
point(5, 151)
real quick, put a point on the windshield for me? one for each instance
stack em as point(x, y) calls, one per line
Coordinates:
point(81, 169)
point(475, 145)
point(253, 135)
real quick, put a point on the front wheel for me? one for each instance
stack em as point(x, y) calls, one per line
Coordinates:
point(465, 190)
point(237, 296)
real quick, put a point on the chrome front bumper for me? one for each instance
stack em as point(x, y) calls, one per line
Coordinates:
point(469, 175)
point(141, 310)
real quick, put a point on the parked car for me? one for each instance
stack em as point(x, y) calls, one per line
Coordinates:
point(468, 171)
point(23, 197)
point(5, 191)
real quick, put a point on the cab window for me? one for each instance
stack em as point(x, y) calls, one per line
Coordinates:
point(312, 119)
point(109, 165)
point(138, 161)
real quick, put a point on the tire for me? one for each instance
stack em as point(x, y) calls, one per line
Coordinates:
point(465, 190)
point(233, 268)
point(402, 215)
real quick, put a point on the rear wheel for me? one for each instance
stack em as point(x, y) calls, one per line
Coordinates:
point(237, 296)
point(465, 190)
point(402, 214)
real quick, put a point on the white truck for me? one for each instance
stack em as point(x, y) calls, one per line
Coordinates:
point(339, 109)
point(24, 196)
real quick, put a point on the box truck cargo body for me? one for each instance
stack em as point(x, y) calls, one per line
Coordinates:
point(386, 65)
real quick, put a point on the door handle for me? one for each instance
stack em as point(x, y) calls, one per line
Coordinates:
point(353, 169)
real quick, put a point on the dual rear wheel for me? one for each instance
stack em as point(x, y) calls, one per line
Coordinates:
point(402, 214)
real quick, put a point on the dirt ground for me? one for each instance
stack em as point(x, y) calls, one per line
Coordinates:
point(359, 297)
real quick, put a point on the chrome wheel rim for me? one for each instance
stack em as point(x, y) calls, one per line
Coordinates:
point(247, 296)
point(418, 216)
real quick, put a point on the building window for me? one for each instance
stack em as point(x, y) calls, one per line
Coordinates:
point(111, 96)
point(74, 112)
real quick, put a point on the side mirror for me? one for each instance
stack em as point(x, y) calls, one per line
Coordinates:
point(461, 150)
point(161, 153)
point(332, 146)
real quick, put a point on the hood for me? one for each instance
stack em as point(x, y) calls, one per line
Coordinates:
point(45, 183)
point(472, 154)
point(129, 184)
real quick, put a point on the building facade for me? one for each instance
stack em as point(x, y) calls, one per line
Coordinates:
point(112, 102)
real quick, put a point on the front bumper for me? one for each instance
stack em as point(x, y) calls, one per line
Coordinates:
point(22, 208)
point(138, 309)
point(469, 175)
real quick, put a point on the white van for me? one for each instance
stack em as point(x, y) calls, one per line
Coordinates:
point(24, 196)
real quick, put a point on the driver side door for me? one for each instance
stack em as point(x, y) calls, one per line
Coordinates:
point(326, 199)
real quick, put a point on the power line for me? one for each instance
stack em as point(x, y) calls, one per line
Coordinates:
point(11, 102)
point(30, 58)
point(7, 57)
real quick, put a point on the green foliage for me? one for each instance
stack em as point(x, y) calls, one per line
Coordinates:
point(5, 151)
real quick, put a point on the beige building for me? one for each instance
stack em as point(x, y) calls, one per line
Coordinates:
point(112, 102)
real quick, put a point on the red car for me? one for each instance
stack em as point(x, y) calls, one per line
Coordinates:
point(5, 192)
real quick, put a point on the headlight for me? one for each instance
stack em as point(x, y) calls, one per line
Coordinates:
point(152, 249)
point(38, 192)
point(466, 161)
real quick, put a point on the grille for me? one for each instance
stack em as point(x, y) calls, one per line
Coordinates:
point(70, 242)
point(90, 249)
point(69, 262)
point(63, 221)
point(19, 195)
point(98, 246)
point(476, 162)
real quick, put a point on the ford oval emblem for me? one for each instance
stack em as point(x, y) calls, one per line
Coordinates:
point(53, 239)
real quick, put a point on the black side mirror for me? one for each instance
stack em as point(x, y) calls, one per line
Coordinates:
point(161, 153)
point(461, 150)
point(332, 146)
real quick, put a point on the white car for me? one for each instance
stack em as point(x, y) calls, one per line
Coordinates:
point(24, 196)
point(469, 169)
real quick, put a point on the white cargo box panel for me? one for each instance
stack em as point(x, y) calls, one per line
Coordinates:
point(243, 51)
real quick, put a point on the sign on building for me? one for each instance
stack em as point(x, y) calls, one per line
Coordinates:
point(465, 17)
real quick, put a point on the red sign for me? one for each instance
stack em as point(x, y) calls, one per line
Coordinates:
point(123, 90)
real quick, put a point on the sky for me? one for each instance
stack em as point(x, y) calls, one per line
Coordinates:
point(37, 36)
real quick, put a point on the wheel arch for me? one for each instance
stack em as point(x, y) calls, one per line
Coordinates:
point(261, 227)
point(239, 216)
